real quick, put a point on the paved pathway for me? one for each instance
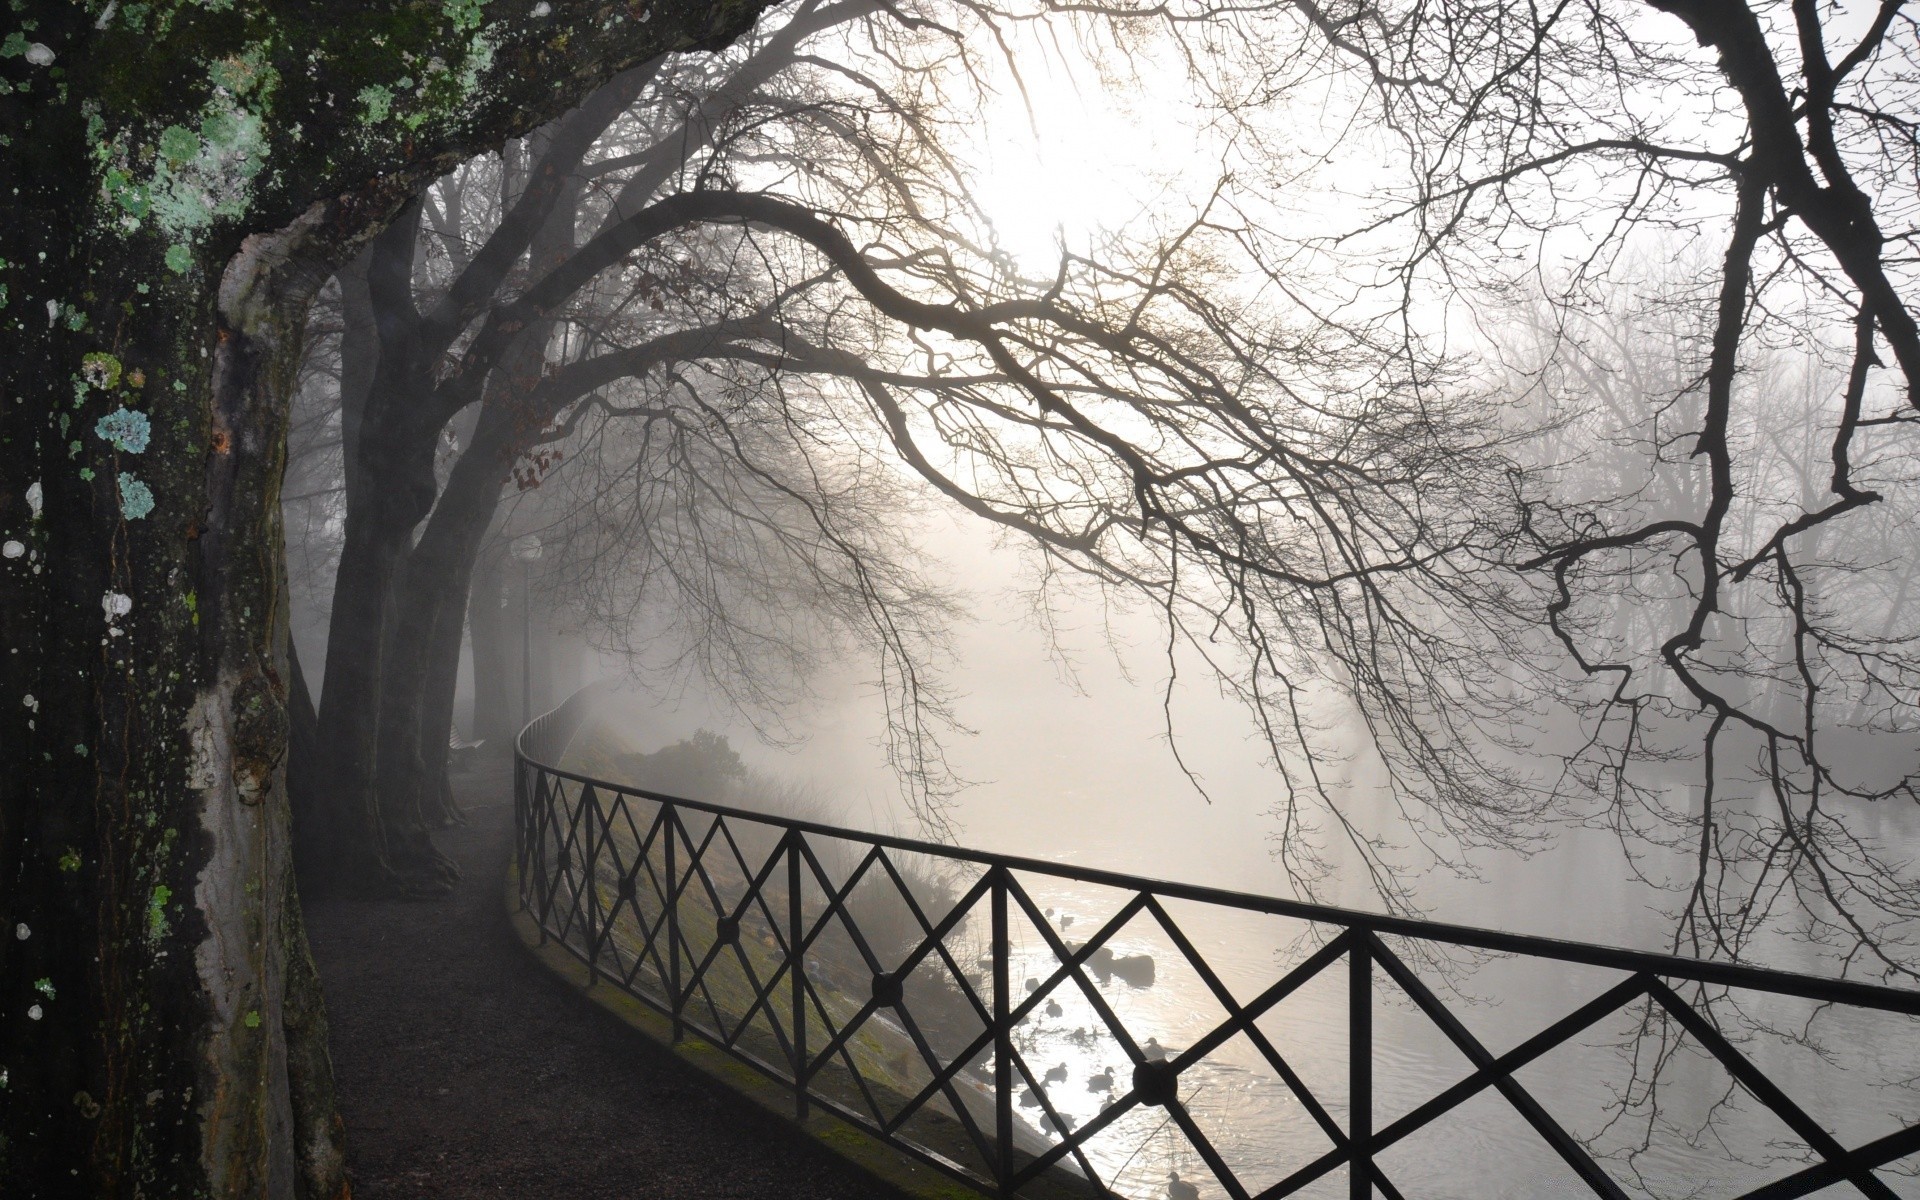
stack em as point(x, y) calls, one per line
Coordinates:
point(466, 1070)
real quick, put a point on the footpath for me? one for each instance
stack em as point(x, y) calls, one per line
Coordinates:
point(466, 1069)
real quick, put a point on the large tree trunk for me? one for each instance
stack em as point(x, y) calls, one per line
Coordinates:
point(352, 833)
point(161, 1014)
point(388, 604)
point(430, 597)
point(430, 611)
point(161, 1032)
point(390, 487)
point(493, 651)
point(317, 1134)
point(437, 800)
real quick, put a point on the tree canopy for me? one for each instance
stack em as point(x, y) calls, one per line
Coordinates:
point(1394, 421)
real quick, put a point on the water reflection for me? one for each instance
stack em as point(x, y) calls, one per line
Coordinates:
point(1695, 1135)
point(1083, 777)
point(1664, 1116)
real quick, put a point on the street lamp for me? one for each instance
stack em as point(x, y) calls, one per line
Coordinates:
point(526, 548)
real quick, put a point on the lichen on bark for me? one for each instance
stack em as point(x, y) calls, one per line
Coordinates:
point(185, 175)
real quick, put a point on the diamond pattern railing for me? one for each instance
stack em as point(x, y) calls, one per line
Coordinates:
point(761, 935)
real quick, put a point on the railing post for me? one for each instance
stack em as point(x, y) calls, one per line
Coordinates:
point(796, 974)
point(1002, 1037)
point(537, 851)
point(590, 889)
point(520, 822)
point(1360, 1065)
point(668, 823)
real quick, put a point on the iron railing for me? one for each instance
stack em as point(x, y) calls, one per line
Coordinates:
point(754, 933)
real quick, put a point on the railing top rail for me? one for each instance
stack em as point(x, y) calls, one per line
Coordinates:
point(1666, 966)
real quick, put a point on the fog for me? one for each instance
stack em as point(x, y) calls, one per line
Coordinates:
point(1068, 755)
point(1110, 446)
point(1067, 747)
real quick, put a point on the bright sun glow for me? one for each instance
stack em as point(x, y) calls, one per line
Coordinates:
point(1072, 159)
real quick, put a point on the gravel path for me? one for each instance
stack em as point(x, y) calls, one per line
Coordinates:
point(465, 1069)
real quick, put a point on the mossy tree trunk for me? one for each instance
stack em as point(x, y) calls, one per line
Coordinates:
point(180, 179)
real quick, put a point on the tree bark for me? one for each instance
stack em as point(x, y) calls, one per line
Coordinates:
point(436, 709)
point(430, 611)
point(161, 1033)
point(390, 487)
point(493, 683)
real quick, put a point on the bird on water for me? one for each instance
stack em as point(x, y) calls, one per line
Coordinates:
point(1180, 1189)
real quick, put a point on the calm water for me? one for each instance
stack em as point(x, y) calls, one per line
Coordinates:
point(1070, 778)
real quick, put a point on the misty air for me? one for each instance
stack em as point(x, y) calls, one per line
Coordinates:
point(858, 600)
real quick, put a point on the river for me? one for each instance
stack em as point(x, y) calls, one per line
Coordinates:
point(1071, 765)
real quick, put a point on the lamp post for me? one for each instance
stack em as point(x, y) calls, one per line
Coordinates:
point(526, 548)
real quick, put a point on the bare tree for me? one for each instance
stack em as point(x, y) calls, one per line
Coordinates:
point(1737, 590)
point(1327, 501)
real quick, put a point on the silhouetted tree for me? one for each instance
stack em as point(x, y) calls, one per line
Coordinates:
point(1735, 592)
point(398, 608)
point(1241, 465)
point(181, 180)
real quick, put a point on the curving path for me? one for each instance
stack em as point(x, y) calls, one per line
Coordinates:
point(466, 1070)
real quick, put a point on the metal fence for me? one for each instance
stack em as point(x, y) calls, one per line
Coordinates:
point(875, 976)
